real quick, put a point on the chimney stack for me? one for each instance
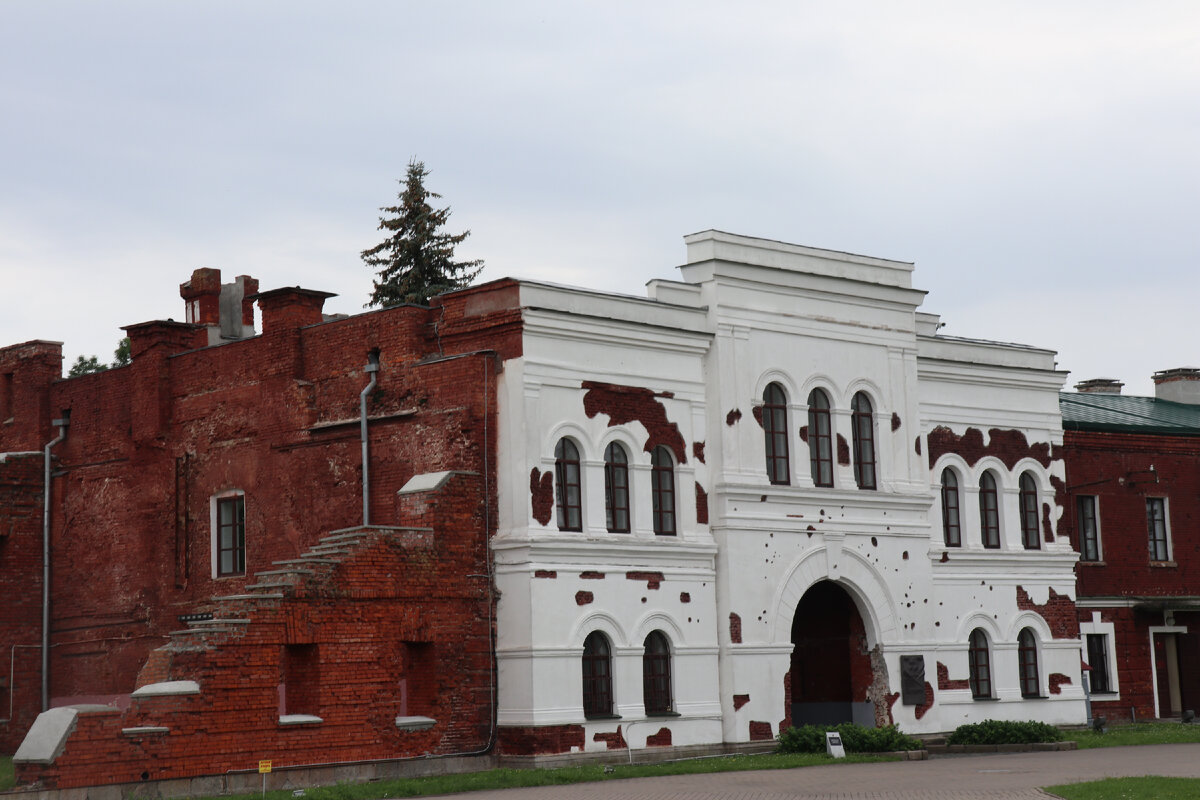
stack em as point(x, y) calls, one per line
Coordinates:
point(1179, 385)
point(223, 308)
point(290, 307)
point(1099, 386)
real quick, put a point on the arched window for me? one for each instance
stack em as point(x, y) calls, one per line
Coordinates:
point(662, 476)
point(820, 439)
point(1029, 508)
point(656, 674)
point(616, 488)
point(862, 422)
point(567, 492)
point(951, 527)
point(989, 513)
point(597, 676)
point(1028, 658)
point(979, 665)
point(774, 421)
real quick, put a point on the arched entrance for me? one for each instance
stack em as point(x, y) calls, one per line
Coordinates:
point(831, 669)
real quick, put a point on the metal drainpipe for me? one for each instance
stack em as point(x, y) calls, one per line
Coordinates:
point(61, 424)
point(371, 369)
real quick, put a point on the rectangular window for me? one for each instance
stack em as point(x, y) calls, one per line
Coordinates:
point(1097, 659)
point(1089, 530)
point(6, 396)
point(231, 535)
point(1156, 526)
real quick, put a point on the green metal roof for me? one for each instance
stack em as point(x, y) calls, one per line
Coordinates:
point(1118, 412)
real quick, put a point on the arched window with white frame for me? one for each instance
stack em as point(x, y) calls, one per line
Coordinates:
point(1028, 503)
point(820, 438)
point(775, 431)
point(951, 522)
point(616, 488)
point(862, 427)
point(989, 510)
point(1027, 658)
point(662, 485)
point(567, 490)
point(979, 663)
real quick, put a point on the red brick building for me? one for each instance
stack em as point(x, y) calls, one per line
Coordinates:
point(1133, 511)
point(211, 540)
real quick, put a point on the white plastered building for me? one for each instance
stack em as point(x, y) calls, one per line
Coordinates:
point(676, 566)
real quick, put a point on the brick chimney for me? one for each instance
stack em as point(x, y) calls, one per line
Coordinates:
point(1099, 386)
point(290, 307)
point(1179, 385)
point(224, 308)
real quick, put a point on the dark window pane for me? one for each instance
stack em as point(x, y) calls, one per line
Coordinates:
point(820, 440)
point(863, 428)
point(567, 489)
point(774, 418)
point(616, 489)
point(951, 528)
point(989, 513)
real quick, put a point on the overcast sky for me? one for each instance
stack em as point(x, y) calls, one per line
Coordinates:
point(1039, 161)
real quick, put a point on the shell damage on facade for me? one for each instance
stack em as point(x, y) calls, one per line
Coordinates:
point(207, 529)
point(810, 567)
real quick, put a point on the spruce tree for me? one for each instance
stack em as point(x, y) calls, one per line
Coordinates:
point(416, 261)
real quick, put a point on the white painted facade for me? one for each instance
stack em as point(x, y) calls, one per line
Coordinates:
point(747, 313)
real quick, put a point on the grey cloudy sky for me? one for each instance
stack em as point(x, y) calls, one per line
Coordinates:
point(1037, 160)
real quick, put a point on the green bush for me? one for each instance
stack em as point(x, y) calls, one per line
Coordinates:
point(855, 738)
point(995, 731)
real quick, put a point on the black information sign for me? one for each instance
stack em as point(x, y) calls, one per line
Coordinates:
point(912, 680)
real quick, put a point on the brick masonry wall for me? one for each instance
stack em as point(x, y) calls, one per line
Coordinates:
point(1115, 468)
point(21, 587)
point(274, 417)
point(396, 628)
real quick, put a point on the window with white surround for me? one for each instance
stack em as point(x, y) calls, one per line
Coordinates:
point(662, 477)
point(616, 489)
point(775, 429)
point(979, 663)
point(951, 523)
point(567, 489)
point(820, 438)
point(1088, 525)
point(1028, 501)
point(989, 511)
point(227, 516)
point(656, 674)
point(1157, 529)
point(597, 676)
point(862, 430)
point(1027, 660)
point(1099, 638)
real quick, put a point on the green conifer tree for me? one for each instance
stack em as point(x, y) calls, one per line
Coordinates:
point(416, 261)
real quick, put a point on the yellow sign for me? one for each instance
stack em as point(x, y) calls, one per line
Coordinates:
point(264, 766)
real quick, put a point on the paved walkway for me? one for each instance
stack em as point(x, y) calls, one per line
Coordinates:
point(1005, 776)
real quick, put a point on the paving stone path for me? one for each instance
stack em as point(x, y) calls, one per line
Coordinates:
point(1005, 776)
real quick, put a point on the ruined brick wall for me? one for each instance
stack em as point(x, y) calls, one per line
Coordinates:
point(274, 417)
point(395, 628)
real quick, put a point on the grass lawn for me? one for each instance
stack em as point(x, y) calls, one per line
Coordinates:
point(1131, 789)
point(512, 778)
point(6, 773)
point(1140, 733)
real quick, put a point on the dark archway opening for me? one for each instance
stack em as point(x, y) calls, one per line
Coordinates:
point(831, 670)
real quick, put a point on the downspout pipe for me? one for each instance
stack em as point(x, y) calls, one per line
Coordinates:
point(372, 369)
point(61, 424)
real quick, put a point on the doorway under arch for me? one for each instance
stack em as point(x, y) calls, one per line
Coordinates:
point(831, 669)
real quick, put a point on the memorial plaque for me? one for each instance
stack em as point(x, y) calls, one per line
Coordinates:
point(912, 680)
